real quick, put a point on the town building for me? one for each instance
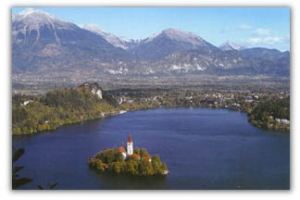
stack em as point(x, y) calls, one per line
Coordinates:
point(248, 99)
point(123, 151)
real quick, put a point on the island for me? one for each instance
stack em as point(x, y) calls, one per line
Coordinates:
point(137, 162)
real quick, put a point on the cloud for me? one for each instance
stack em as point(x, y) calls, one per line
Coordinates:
point(269, 40)
point(254, 40)
point(245, 27)
point(241, 27)
point(261, 31)
point(273, 40)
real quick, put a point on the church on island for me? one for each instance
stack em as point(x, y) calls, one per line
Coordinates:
point(128, 160)
point(129, 150)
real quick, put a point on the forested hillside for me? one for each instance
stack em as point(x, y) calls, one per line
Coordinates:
point(273, 113)
point(32, 114)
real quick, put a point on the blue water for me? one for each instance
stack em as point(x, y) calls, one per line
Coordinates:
point(203, 148)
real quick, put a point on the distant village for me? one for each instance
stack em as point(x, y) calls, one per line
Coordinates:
point(232, 100)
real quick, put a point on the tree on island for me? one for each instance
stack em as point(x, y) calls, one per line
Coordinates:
point(111, 160)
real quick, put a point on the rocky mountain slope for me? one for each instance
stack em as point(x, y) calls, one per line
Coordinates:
point(41, 41)
point(169, 41)
point(43, 44)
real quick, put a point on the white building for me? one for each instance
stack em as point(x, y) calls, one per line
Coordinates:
point(26, 102)
point(129, 145)
point(129, 151)
point(285, 121)
point(123, 151)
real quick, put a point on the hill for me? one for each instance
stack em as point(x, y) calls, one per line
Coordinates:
point(32, 114)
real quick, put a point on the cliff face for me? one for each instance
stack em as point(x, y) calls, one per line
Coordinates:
point(94, 88)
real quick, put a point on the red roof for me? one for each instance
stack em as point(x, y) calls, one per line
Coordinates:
point(136, 155)
point(147, 158)
point(122, 149)
point(129, 138)
point(104, 165)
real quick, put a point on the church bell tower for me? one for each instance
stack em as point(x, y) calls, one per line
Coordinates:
point(129, 145)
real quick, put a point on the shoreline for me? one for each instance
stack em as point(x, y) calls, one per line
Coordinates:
point(164, 107)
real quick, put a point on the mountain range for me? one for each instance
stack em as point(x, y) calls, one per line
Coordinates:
point(43, 44)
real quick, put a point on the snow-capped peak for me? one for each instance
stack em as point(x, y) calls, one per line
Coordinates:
point(125, 39)
point(178, 35)
point(30, 11)
point(114, 40)
point(93, 28)
point(33, 13)
point(33, 19)
point(226, 46)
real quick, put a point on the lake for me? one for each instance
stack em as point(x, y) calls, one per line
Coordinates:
point(203, 149)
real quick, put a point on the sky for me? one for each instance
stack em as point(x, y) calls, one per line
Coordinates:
point(249, 26)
